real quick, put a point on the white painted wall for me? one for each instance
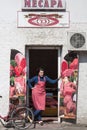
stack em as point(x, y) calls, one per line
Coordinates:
point(77, 8)
point(12, 37)
point(82, 93)
point(78, 13)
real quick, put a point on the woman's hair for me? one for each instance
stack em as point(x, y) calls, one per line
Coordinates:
point(40, 69)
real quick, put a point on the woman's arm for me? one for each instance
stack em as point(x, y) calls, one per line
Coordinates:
point(51, 80)
point(32, 80)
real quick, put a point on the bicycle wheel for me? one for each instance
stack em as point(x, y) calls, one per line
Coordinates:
point(22, 117)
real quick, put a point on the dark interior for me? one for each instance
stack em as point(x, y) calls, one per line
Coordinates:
point(48, 59)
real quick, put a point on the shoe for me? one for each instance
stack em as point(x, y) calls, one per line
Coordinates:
point(41, 123)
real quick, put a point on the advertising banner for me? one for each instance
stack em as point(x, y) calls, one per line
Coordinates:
point(69, 86)
point(17, 90)
point(43, 19)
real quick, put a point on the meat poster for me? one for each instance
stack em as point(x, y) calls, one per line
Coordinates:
point(69, 86)
point(17, 92)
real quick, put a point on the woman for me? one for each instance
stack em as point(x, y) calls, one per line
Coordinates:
point(39, 93)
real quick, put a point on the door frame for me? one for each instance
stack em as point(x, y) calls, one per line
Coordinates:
point(45, 47)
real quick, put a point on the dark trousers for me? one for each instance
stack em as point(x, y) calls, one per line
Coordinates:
point(37, 115)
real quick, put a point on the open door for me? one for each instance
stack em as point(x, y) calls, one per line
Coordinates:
point(17, 94)
point(47, 58)
point(69, 86)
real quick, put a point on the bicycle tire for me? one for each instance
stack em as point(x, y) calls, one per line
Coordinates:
point(22, 117)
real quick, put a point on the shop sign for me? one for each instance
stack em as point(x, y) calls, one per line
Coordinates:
point(44, 4)
point(43, 19)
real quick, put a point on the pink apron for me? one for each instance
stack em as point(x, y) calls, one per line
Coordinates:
point(39, 95)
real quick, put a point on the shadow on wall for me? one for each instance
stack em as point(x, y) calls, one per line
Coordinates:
point(83, 57)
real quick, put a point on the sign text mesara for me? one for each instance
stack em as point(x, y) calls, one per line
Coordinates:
point(44, 4)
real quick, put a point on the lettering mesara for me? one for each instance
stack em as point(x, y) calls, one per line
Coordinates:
point(58, 4)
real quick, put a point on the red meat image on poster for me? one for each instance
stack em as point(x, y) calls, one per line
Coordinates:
point(69, 86)
point(17, 77)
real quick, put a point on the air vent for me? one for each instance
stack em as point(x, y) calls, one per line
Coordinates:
point(76, 41)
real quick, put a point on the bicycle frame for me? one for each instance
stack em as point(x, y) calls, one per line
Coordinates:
point(19, 113)
point(7, 119)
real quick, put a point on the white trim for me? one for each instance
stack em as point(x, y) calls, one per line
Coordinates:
point(59, 61)
point(45, 47)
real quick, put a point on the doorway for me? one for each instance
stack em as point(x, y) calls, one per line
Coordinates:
point(48, 59)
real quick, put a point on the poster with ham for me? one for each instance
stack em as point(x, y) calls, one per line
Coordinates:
point(69, 86)
point(17, 92)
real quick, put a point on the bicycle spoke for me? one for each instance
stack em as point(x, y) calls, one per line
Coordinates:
point(22, 117)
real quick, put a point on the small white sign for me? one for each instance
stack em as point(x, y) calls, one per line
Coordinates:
point(43, 19)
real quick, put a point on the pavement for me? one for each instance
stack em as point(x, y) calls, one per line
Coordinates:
point(53, 126)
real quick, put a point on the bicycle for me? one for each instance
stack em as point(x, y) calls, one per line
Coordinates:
point(19, 117)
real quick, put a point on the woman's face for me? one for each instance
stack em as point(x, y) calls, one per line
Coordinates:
point(41, 73)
